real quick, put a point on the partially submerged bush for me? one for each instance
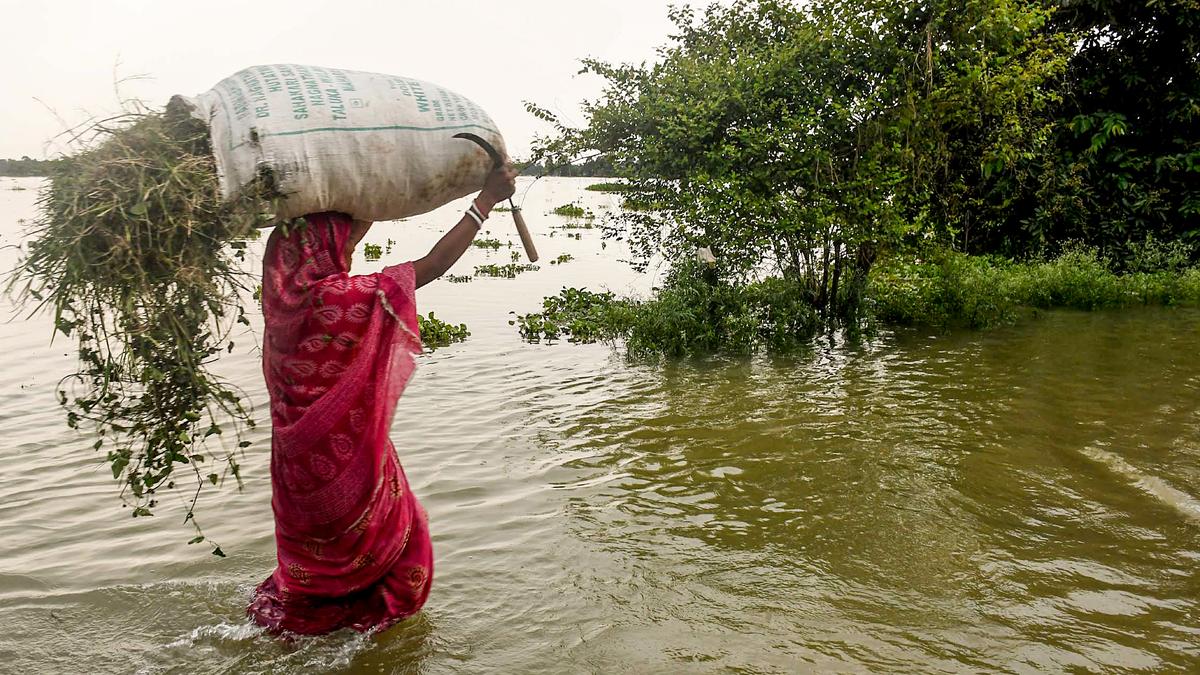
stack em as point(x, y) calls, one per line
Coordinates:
point(137, 255)
point(696, 313)
point(691, 314)
point(577, 314)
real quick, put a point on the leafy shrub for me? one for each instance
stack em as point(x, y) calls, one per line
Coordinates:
point(1153, 255)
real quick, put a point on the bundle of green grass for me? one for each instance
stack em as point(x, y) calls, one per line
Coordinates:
point(137, 254)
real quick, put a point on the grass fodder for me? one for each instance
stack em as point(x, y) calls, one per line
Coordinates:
point(137, 255)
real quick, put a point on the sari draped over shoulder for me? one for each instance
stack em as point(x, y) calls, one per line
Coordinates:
point(352, 541)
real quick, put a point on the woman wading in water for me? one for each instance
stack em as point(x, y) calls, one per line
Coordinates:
point(352, 540)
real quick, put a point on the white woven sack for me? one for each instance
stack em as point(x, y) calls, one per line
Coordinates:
point(378, 147)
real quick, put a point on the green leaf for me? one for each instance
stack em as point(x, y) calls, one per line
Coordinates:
point(119, 464)
point(196, 540)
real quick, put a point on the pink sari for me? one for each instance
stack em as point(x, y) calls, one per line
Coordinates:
point(352, 540)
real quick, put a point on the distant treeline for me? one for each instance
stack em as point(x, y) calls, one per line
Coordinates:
point(599, 167)
point(27, 166)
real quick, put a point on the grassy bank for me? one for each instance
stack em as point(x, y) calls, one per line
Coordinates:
point(689, 315)
point(953, 290)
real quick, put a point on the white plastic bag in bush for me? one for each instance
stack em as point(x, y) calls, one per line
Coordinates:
point(378, 147)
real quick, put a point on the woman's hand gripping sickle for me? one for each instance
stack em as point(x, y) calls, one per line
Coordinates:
point(499, 185)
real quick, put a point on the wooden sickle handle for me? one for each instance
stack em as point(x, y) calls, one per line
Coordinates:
point(526, 240)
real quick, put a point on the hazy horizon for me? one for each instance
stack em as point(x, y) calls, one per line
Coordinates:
point(69, 55)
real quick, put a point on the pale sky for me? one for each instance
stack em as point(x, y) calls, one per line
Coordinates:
point(64, 53)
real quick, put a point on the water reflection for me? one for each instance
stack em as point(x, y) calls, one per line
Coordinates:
point(1011, 500)
point(916, 485)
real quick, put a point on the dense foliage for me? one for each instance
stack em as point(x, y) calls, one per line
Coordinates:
point(798, 144)
point(1121, 161)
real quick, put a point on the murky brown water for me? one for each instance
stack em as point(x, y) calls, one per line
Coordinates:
point(1024, 499)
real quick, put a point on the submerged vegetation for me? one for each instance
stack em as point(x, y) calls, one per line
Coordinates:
point(608, 187)
point(486, 242)
point(137, 256)
point(572, 211)
point(508, 271)
point(436, 333)
point(689, 315)
point(695, 313)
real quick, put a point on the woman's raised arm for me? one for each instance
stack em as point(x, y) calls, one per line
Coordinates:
point(500, 185)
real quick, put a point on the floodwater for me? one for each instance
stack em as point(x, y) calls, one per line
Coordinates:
point(1019, 500)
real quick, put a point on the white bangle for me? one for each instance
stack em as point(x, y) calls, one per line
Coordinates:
point(475, 216)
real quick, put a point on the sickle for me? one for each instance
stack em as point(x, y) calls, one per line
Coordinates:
point(497, 162)
point(497, 159)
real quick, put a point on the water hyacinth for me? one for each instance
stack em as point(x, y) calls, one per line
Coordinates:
point(137, 256)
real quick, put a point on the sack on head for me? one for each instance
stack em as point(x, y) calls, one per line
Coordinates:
point(377, 147)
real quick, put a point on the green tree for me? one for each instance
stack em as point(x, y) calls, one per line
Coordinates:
point(800, 140)
point(1125, 161)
